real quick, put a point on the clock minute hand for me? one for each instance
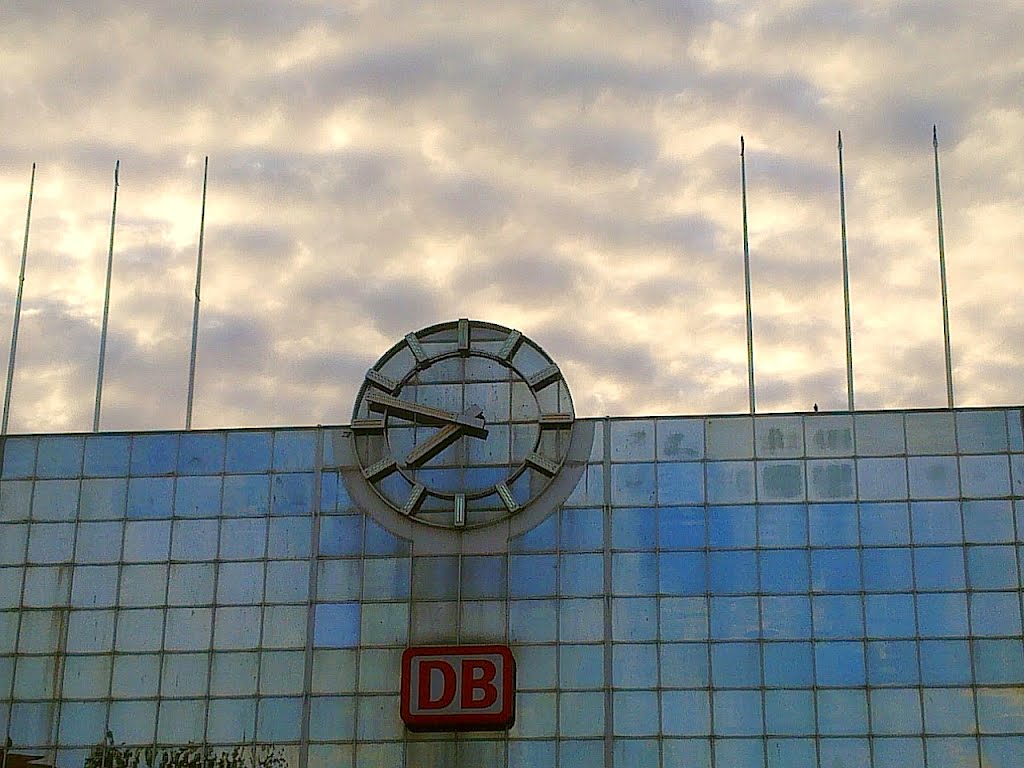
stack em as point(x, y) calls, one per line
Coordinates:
point(470, 422)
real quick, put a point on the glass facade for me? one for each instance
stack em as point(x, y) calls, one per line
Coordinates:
point(779, 590)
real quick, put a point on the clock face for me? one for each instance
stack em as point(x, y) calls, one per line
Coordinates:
point(462, 424)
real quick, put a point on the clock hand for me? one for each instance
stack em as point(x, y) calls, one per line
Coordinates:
point(440, 440)
point(471, 420)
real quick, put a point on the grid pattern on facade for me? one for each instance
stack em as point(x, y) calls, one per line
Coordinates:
point(781, 590)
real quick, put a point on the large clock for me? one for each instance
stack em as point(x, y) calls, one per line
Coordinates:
point(462, 424)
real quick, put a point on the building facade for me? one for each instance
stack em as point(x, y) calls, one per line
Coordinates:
point(821, 589)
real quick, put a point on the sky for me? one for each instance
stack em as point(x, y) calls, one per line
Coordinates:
point(568, 169)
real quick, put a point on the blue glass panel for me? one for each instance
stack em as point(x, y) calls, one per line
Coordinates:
point(835, 570)
point(882, 479)
point(542, 537)
point(681, 483)
point(790, 713)
point(240, 583)
point(294, 450)
point(999, 661)
point(581, 752)
point(837, 616)
point(532, 575)
point(888, 570)
point(15, 499)
point(328, 492)
point(248, 452)
point(781, 480)
point(730, 482)
point(581, 714)
point(483, 577)
point(341, 536)
point(786, 618)
point(936, 522)
point(844, 752)
point(1002, 751)
point(634, 528)
point(103, 499)
point(581, 666)
point(889, 615)
point(532, 621)
point(735, 665)
point(791, 753)
point(939, 568)
point(681, 528)
point(435, 578)
point(896, 711)
point(892, 662)
point(782, 525)
point(527, 754)
point(634, 619)
point(59, 457)
point(633, 483)
point(959, 752)
point(1000, 710)
point(54, 499)
point(292, 494)
point(339, 579)
point(981, 431)
point(984, 476)
point(732, 527)
point(738, 751)
point(154, 454)
point(988, 522)
point(899, 753)
point(1015, 428)
point(582, 530)
point(380, 541)
point(150, 497)
point(884, 524)
point(290, 537)
point(839, 664)
point(246, 495)
point(682, 573)
point(683, 665)
point(685, 713)
point(195, 496)
point(688, 752)
point(633, 573)
point(19, 457)
point(590, 489)
point(833, 525)
point(737, 713)
point(634, 751)
point(106, 456)
point(933, 477)
point(279, 719)
point(336, 625)
point(842, 713)
point(684, 618)
point(785, 570)
point(733, 572)
point(942, 615)
point(201, 453)
point(635, 666)
point(945, 662)
point(734, 618)
point(583, 575)
point(995, 614)
point(680, 439)
point(147, 541)
point(992, 567)
point(948, 710)
point(231, 720)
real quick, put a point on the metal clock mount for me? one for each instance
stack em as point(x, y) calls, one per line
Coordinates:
point(462, 424)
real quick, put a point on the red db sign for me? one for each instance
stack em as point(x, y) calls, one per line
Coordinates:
point(458, 688)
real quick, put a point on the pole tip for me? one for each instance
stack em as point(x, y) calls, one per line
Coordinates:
point(741, 144)
point(935, 135)
point(840, 135)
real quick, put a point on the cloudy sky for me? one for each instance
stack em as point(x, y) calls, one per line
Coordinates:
point(570, 169)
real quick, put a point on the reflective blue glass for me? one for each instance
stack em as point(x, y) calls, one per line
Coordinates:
point(732, 527)
point(147, 541)
point(899, 753)
point(247, 452)
point(292, 494)
point(791, 753)
point(889, 615)
point(737, 713)
point(634, 619)
point(339, 579)
point(844, 752)
point(999, 661)
point(526, 754)
point(294, 450)
point(103, 499)
point(150, 497)
point(483, 577)
point(730, 482)
point(106, 455)
point(735, 665)
point(995, 614)
point(786, 617)
point(15, 499)
point(541, 538)
point(154, 454)
point(835, 570)
point(380, 541)
point(685, 713)
point(933, 477)
point(958, 752)
point(240, 583)
point(839, 664)
point(532, 575)
point(884, 524)
point(536, 667)
point(580, 752)
point(738, 751)
point(684, 665)
point(984, 476)
point(692, 752)
point(1000, 710)
point(246, 495)
point(945, 662)
point(231, 720)
point(583, 575)
point(892, 662)
point(582, 530)
point(1002, 751)
point(55, 500)
point(242, 539)
point(682, 573)
point(681, 528)
point(988, 522)
point(633, 483)
point(680, 439)
point(289, 537)
point(942, 615)
point(833, 525)
point(785, 570)
point(201, 453)
point(634, 528)
point(790, 713)
point(279, 719)
point(329, 492)
point(882, 479)
point(981, 431)
point(532, 621)
point(581, 714)
point(589, 490)
point(781, 480)
point(19, 457)
point(896, 711)
point(635, 751)
point(341, 535)
point(59, 456)
point(842, 713)
point(888, 570)
point(1015, 428)
point(336, 625)
point(733, 573)
point(734, 618)
point(633, 573)
point(837, 616)
point(948, 710)
point(936, 522)
point(992, 567)
point(782, 525)
point(435, 578)
point(581, 666)
point(939, 568)
point(635, 665)
point(681, 483)
point(196, 496)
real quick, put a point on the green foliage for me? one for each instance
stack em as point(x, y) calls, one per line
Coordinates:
point(107, 754)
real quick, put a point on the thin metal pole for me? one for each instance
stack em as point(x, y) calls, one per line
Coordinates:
point(195, 311)
point(746, 282)
point(17, 307)
point(106, 305)
point(942, 273)
point(846, 280)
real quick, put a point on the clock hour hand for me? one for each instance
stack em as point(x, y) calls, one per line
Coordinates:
point(471, 421)
point(440, 440)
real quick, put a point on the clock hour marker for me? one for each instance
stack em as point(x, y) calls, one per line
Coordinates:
point(415, 499)
point(381, 468)
point(368, 425)
point(543, 377)
point(543, 464)
point(460, 510)
point(555, 420)
point(381, 381)
point(463, 336)
point(506, 497)
point(511, 344)
point(416, 348)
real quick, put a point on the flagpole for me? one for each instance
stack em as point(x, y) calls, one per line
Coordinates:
point(195, 310)
point(942, 273)
point(746, 282)
point(17, 306)
point(106, 306)
point(846, 280)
